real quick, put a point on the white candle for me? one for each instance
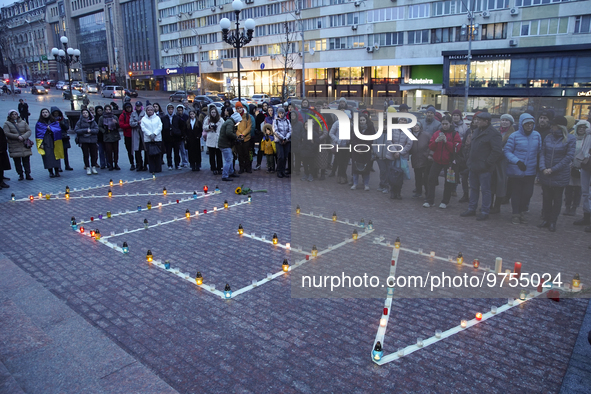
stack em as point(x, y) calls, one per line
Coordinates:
point(498, 265)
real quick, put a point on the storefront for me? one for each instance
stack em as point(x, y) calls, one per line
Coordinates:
point(179, 78)
point(422, 85)
point(516, 79)
point(143, 80)
point(268, 82)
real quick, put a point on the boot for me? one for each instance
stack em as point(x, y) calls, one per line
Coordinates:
point(522, 218)
point(497, 207)
point(586, 220)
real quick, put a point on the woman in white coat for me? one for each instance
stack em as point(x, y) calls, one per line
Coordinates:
point(212, 125)
point(151, 125)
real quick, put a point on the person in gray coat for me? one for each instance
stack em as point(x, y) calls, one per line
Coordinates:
point(430, 124)
point(87, 131)
point(137, 137)
point(419, 158)
point(109, 128)
point(558, 152)
point(397, 155)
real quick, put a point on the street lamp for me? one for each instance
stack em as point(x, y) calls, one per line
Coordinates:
point(67, 56)
point(237, 39)
point(470, 29)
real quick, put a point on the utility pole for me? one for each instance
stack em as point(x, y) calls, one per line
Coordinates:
point(470, 29)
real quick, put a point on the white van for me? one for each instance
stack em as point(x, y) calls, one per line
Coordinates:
point(113, 91)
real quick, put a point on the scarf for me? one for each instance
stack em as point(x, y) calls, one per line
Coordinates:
point(42, 127)
point(110, 122)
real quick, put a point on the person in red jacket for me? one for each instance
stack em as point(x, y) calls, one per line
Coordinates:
point(124, 124)
point(444, 143)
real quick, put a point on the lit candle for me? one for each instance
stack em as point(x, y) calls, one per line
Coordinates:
point(577, 280)
point(31, 198)
point(40, 195)
point(240, 229)
point(517, 269)
point(334, 216)
point(288, 246)
point(383, 322)
point(81, 230)
point(159, 205)
point(378, 353)
point(479, 316)
point(460, 258)
point(199, 278)
point(397, 243)
point(120, 182)
point(355, 234)
point(297, 209)
point(314, 251)
point(125, 248)
point(476, 263)
point(275, 240)
point(12, 197)
point(215, 209)
point(187, 213)
point(149, 256)
point(67, 196)
point(67, 189)
point(249, 198)
point(164, 191)
point(97, 234)
point(227, 289)
point(522, 295)
point(149, 205)
point(92, 233)
point(205, 188)
point(110, 182)
point(432, 254)
point(464, 323)
point(225, 204)
point(285, 265)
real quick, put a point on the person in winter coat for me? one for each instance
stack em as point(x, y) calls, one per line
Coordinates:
point(298, 145)
point(430, 124)
point(172, 135)
point(158, 110)
point(572, 193)
point(212, 125)
point(259, 121)
point(419, 159)
point(397, 155)
point(23, 110)
point(48, 135)
point(227, 138)
point(282, 130)
point(87, 131)
point(193, 133)
point(124, 119)
point(4, 160)
point(102, 152)
point(445, 144)
point(462, 159)
point(17, 131)
point(137, 138)
point(583, 161)
point(109, 129)
point(342, 153)
point(243, 144)
point(544, 123)
point(268, 147)
point(458, 123)
point(184, 116)
point(151, 125)
point(558, 152)
point(361, 161)
point(521, 152)
point(64, 126)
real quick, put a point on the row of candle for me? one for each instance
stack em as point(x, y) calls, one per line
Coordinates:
point(334, 218)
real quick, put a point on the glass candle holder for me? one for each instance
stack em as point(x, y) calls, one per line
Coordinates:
point(347, 221)
point(493, 310)
point(438, 334)
point(212, 287)
point(420, 342)
point(269, 276)
point(125, 230)
point(400, 352)
point(432, 254)
point(510, 301)
point(383, 322)
point(254, 282)
point(464, 323)
point(420, 251)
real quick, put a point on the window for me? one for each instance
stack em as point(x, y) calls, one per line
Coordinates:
point(386, 39)
point(188, 41)
point(419, 11)
point(168, 28)
point(544, 27)
point(526, 3)
point(185, 25)
point(442, 35)
point(582, 24)
point(418, 37)
point(385, 14)
point(187, 7)
point(494, 31)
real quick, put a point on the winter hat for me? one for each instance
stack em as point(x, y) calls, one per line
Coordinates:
point(392, 109)
point(239, 104)
point(236, 117)
point(266, 127)
point(127, 105)
point(431, 109)
point(150, 106)
point(548, 113)
point(526, 118)
point(508, 117)
point(484, 115)
point(438, 116)
point(456, 112)
point(11, 111)
point(583, 123)
point(138, 104)
point(343, 100)
point(560, 121)
point(281, 110)
point(404, 107)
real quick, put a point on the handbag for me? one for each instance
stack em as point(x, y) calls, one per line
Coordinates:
point(404, 167)
point(451, 175)
point(28, 143)
point(154, 149)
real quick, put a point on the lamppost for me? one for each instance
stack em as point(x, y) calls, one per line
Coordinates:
point(470, 29)
point(67, 56)
point(237, 39)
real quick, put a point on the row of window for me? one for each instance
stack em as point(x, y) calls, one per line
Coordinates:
point(19, 8)
point(77, 4)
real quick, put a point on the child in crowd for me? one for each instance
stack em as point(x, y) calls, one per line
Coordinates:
point(268, 147)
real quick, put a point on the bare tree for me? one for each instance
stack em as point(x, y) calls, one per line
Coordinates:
point(288, 55)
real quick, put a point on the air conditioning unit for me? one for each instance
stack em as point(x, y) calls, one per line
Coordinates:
point(301, 54)
point(514, 11)
point(353, 27)
point(159, 19)
point(369, 49)
point(376, 46)
point(249, 1)
point(357, 3)
point(221, 7)
point(166, 50)
point(486, 14)
point(211, 62)
point(297, 12)
point(213, 9)
point(190, 13)
point(513, 43)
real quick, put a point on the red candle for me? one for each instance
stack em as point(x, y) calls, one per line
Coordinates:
point(541, 286)
point(205, 189)
point(205, 211)
point(385, 311)
point(307, 257)
point(31, 198)
point(517, 269)
point(479, 316)
point(476, 263)
point(91, 219)
point(393, 262)
point(177, 201)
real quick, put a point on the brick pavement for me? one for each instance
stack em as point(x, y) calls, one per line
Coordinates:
point(265, 340)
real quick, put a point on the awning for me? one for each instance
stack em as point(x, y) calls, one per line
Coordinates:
point(435, 87)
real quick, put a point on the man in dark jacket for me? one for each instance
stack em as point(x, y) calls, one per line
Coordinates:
point(65, 126)
point(485, 150)
point(172, 135)
point(23, 110)
point(226, 140)
point(544, 123)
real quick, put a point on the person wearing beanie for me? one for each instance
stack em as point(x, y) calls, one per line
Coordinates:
point(124, 119)
point(151, 125)
point(87, 131)
point(282, 130)
point(184, 116)
point(48, 135)
point(543, 126)
point(573, 191)
point(583, 162)
point(17, 131)
point(499, 183)
point(243, 134)
point(98, 112)
point(558, 152)
point(521, 152)
point(137, 137)
point(429, 123)
point(226, 139)
point(109, 130)
point(485, 151)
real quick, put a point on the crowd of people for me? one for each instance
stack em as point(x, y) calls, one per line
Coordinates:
point(494, 166)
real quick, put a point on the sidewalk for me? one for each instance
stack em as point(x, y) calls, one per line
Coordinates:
point(45, 347)
point(578, 375)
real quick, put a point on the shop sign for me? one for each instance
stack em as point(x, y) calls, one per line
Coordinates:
point(584, 94)
point(171, 71)
point(420, 81)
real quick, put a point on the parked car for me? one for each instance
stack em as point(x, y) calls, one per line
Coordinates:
point(75, 94)
point(260, 98)
point(245, 101)
point(181, 95)
point(39, 89)
point(92, 88)
point(131, 93)
point(275, 100)
point(79, 86)
point(29, 82)
point(51, 82)
point(20, 83)
point(113, 91)
point(60, 85)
